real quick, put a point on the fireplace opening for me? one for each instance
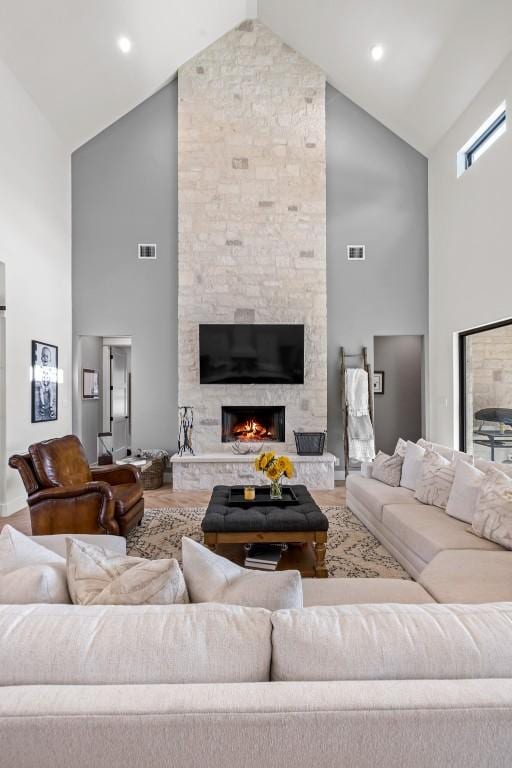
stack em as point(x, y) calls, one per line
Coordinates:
point(253, 423)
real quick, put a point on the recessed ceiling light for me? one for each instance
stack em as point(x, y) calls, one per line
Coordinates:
point(124, 44)
point(377, 52)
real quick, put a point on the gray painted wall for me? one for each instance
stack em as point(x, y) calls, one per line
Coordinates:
point(376, 196)
point(87, 414)
point(124, 185)
point(124, 192)
point(398, 412)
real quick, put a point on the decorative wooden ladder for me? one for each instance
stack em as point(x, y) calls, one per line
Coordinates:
point(363, 355)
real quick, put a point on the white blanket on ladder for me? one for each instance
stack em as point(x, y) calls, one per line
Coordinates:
point(361, 443)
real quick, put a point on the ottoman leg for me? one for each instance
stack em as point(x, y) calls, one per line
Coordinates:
point(320, 547)
point(210, 541)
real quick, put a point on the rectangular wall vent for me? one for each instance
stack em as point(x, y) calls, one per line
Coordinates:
point(147, 251)
point(356, 252)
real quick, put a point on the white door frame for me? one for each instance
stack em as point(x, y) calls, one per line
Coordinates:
point(3, 404)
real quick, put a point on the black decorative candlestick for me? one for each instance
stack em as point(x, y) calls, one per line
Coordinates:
point(186, 414)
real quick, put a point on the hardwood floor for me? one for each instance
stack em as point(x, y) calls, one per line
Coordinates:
point(166, 496)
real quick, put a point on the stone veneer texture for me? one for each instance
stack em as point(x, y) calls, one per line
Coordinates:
point(252, 217)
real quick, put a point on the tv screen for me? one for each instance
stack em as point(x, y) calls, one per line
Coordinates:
point(251, 354)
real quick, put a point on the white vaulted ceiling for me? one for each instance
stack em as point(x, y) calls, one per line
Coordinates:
point(65, 54)
point(438, 53)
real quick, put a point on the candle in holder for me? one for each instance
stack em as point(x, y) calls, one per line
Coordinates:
point(249, 493)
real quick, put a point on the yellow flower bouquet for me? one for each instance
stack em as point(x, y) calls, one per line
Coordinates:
point(275, 468)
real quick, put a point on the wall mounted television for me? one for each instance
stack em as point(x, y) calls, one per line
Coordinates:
point(251, 354)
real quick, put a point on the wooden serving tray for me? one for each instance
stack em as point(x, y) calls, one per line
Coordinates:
point(262, 498)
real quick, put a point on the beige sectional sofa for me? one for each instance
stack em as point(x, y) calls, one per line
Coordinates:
point(371, 672)
point(222, 686)
point(440, 552)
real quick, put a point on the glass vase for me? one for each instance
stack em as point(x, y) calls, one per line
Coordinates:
point(276, 491)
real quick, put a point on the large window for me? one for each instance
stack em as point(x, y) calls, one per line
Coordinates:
point(486, 391)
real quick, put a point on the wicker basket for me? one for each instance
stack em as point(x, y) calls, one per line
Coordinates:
point(309, 443)
point(153, 477)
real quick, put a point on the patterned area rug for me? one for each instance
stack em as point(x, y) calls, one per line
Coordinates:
point(351, 549)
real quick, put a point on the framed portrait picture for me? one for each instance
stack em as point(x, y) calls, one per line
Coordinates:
point(45, 382)
point(378, 382)
point(90, 384)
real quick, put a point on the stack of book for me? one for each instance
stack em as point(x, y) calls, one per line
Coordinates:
point(264, 556)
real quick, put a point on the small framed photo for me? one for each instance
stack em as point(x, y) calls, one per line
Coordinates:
point(90, 384)
point(378, 382)
point(45, 382)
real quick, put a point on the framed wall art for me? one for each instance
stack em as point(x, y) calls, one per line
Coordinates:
point(90, 384)
point(45, 382)
point(378, 382)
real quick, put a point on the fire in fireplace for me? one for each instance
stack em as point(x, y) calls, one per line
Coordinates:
point(253, 423)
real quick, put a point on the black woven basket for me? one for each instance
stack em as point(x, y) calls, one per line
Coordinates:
point(309, 443)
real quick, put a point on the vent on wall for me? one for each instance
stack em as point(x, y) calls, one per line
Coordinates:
point(147, 251)
point(356, 252)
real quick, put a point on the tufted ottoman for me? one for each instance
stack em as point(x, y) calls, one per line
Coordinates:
point(303, 523)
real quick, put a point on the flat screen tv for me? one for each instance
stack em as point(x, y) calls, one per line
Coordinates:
point(251, 354)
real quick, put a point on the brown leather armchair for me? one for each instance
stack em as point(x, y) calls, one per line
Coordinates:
point(66, 495)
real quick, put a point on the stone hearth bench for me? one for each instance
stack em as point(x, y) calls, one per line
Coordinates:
point(206, 470)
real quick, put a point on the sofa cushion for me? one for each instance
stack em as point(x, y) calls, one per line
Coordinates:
point(104, 645)
point(211, 578)
point(97, 576)
point(374, 495)
point(392, 642)
point(442, 450)
point(484, 466)
point(466, 576)
point(126, 495)
point(18, 550)
point(401, 447)
point(447, 453)
point(29, 573)
point(428, 530)
point(411, 468)
point(356, 591)
point(465, 492)
point(388, 469)
point(60, 462)
point(57, 542)
point(435, 480)
point(493, 515)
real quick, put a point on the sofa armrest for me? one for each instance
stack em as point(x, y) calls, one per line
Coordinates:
point(116, 474)
point(85, 508)
point(21, 463)
point(71, 491)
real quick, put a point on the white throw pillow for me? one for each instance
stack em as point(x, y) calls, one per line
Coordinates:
point(465, 492)
point(484, 466)
point(214, 579)
point(493, 516)
point(412, 465)
point(97, 576)
point(435, 480)
point(442, 450)
point(401, 447)
point(30, 573)
point(388, 469)
point(461, 456)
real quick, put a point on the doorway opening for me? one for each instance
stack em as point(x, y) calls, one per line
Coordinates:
point(117, 406)
point(103, 405)
point(398, 389)
point(485, 397)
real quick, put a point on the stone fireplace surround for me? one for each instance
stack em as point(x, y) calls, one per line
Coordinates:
point(252, 221)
